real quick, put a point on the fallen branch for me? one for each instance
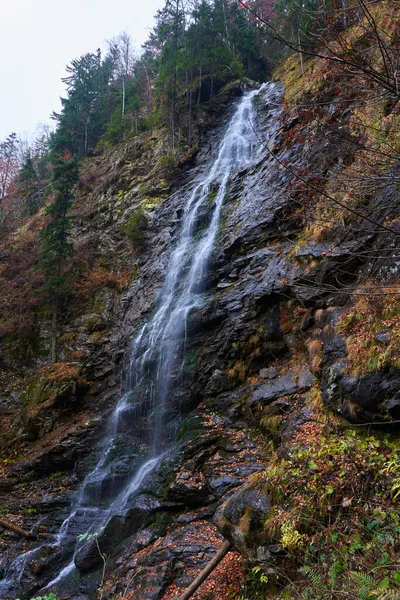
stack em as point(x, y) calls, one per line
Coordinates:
point(16, 529)
point(208, 569)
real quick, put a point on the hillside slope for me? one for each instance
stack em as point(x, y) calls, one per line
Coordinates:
point(288, 444)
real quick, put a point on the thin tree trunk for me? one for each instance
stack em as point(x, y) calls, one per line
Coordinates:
point(6, 176)
point(190, 109)
point(54, 332)
point(22, 532)
point(212, 81)
point(148, 86)
point(301, 55)
point(173, 124)
point(200, 76)
point(344, 7)
point(225, 23)
point(208, 569)
point(86, 134)
point(123, 97)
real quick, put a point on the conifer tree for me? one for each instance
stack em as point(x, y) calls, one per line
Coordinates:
point(28, 184)
point(8, 162)
point(56, 238)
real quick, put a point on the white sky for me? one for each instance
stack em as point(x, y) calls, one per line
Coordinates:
point(38, 38)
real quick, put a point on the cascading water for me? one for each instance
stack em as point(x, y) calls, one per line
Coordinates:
point(156, 357)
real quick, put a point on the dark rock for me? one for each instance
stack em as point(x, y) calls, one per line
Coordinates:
point(245, 499)
point(217, 384)
point(383, 337)
point(293, 422)
point(220, 485)
point(241, 522)
point(290, 383)
point(269, 373)
point(190, 489)
point(362, 398)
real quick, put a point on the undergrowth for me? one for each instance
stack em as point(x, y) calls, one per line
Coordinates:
point(372, 330)
point(337, 516)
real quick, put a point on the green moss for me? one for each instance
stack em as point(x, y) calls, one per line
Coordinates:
point(190, 429)
point(150, 202)
point(161, 523)
point(168, 167)
point(136, 227)
point(120, 197)
point(51, 382)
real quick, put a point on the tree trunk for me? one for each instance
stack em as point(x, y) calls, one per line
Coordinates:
point(22, 532)
point(212, 81)
point(200, 76)
point(190, 109)
point(54, 332)
point(123, 97)
point(86, 133)
point(148, 89)
point(208, 569)
point(225, 23)
point(300, 52)
point(173, 128)
point(174, 84)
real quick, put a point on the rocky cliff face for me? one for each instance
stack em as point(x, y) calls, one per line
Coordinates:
point(269, 367)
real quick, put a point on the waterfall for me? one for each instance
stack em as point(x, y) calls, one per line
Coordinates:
point(157, 352)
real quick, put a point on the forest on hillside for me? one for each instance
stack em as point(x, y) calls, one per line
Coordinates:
point(217, 211)
point(195, 48)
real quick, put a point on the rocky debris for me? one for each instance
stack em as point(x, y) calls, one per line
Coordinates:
point(174, 558)
point(206, 470)
point(182, 537)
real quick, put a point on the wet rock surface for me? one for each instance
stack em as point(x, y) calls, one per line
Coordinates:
point(183, 537)
point(252, 354)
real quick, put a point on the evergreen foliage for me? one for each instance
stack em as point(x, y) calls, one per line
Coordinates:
point(56, 241)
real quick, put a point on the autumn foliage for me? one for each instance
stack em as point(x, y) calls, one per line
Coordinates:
point(20, 285)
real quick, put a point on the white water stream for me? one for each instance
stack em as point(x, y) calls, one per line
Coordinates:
point(156, 356)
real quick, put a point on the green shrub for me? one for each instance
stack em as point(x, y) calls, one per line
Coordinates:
point(168, 167)
point(136, 227)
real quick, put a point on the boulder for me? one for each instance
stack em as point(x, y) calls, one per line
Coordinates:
point(291, 382)
point(241, 520)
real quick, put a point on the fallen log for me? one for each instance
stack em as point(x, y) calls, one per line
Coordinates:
point(208, 569)
point(22, 532)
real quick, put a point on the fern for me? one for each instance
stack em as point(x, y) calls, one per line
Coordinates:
point(317, 582)
point(335, 571)
point(365, 584)
point(390, 594)
point(396, 488)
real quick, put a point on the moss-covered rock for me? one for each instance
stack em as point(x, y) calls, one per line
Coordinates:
point(241, 521)
point(52, 391)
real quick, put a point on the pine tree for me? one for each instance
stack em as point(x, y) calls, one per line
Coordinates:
point(56, 238)
point(28, 184)
point(8, 162)
point(27, 173)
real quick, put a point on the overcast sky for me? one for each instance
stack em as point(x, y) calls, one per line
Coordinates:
point(39, 37)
